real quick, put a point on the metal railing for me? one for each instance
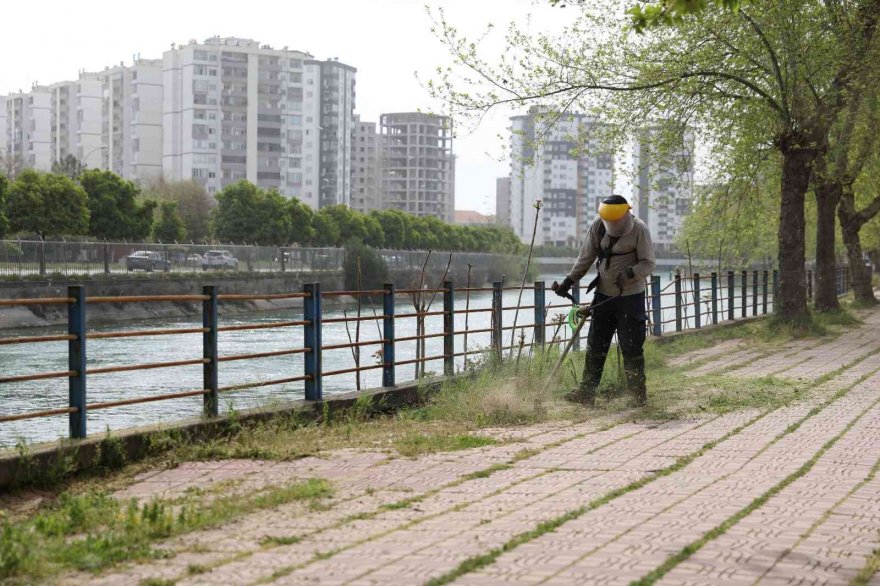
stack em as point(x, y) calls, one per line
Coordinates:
point(696, 301)
point(25, 258)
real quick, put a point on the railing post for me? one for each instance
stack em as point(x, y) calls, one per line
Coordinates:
point(312, 338)
point(388, 335)
point(744, 294)
point(810, 286)
point(106, 254)
point(448, 328)
point(576, 295)
point(210, 370)
point(76, 360)
point(283, 252)
point(677, 301)
point(754, 292)
point(540, 335)
point(775, 288)
point(42, 256)
point(731, 295)
point(656, 311)
point(496, 319)
point(714, 298)
point(765, 281)
point(697, 300)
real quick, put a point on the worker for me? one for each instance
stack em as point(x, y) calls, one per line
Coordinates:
point(620, 244)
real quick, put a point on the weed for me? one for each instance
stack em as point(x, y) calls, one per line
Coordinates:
point(156, 582)
point(280, 540)
point(419, 443)
point(486, 472)
point(194, 569)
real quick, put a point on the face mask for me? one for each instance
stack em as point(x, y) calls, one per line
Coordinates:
point(620, 227)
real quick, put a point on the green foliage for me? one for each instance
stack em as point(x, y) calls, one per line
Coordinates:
point(374, 271)
point(47, 205)
point(113, 204)
point(246, 213)
point(194, 205)
point(422, 443)
point(169, 226)
point(327, 232)
point(350, 224)
point(672, 12)
point(395, 226)
point(302, 220)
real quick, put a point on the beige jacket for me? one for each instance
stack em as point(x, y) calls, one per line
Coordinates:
point(633, 249)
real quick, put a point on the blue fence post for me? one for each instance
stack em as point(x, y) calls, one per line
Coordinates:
point(714, 298)
point(754, 292)
point(497, 318)
point(744, 294)
point(765, 281)
point(731, 297)
point(388, 357)
point(576, 295)
point(540, 335)
point(76, 360)
point(677, 301)
point(210, 374)
point(312, 338)
point(448, 328)
point(656, 307)
point(698, 318)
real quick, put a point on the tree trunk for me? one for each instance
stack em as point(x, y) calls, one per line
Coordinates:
point(827, 198)
point(860, 275)
point(796, 168)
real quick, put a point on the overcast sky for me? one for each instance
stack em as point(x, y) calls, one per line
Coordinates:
point(386, 40)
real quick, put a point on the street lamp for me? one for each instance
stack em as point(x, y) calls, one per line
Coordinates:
point(87, 155)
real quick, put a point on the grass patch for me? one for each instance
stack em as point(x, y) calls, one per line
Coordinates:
point(871, 567)
point(280, 540)
point(486, 472)
point(93, 531)
point(416, 444)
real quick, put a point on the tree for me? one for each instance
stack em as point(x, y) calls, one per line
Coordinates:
point(302, 229)
point(786, 71)
point(375, 236)
point(395, 227)
point(4, 222)
point(115, 212)
point(194, 204)
point(274, 221)
point(246, 213)
point(169, 226)
point(327, 232)
point(350, 223)
point(69, 166)
point(47, 205)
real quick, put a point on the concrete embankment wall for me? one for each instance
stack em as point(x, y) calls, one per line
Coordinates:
point(242, 284)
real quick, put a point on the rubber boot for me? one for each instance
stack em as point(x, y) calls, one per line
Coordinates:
point(636, 381)
point(585, 393)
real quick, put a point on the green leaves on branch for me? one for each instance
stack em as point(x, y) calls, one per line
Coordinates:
point(169, 225)
point(116, 214)
point(46, 204)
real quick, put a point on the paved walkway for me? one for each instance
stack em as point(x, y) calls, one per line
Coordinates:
point(788, 496)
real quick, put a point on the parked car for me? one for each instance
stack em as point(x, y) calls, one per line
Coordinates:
point(219, 259)
point(194, 259)
point(147, 260)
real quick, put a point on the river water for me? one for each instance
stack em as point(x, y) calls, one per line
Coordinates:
point(52, 394)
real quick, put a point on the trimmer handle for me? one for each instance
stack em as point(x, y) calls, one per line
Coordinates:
point(569, 296)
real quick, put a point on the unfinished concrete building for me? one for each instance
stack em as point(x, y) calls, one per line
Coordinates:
point(418, 167)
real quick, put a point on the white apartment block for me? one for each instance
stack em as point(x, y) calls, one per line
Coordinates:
point(502, 201)
point(566, 165)
point(235, 109)
point(29, 128)
point(131, 119)
point(663, 190)
point(418, 166)
point(2, 130)
point(365, 167)
point(76, 119)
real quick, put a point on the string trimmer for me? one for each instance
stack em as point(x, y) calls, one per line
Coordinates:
point(577, 317)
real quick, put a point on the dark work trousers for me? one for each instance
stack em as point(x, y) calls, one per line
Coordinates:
point(626, 316)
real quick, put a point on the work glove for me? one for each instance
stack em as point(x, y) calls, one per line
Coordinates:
point(563, 289)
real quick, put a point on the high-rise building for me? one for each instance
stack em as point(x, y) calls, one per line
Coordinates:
point(131, 119)
point(502, 201)
point(567, 165)
point(365, 167)
point(418, 167)
point(29, 128)
point(76, 119)
point(3, 130)
point(235, 109)
point(664, 187)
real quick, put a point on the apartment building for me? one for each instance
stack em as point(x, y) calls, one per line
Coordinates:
point(502, 201)
point(663, 191)
point(365, 166)
point(76, 119)
point(418, 166)
point(564, 162)
point(3, 129)
point(29, 128)
point(235, 109)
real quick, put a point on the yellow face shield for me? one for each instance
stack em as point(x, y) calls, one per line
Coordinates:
point(611, 212)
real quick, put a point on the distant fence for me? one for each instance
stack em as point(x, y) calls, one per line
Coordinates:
point(25, 258)
point(685, 303)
